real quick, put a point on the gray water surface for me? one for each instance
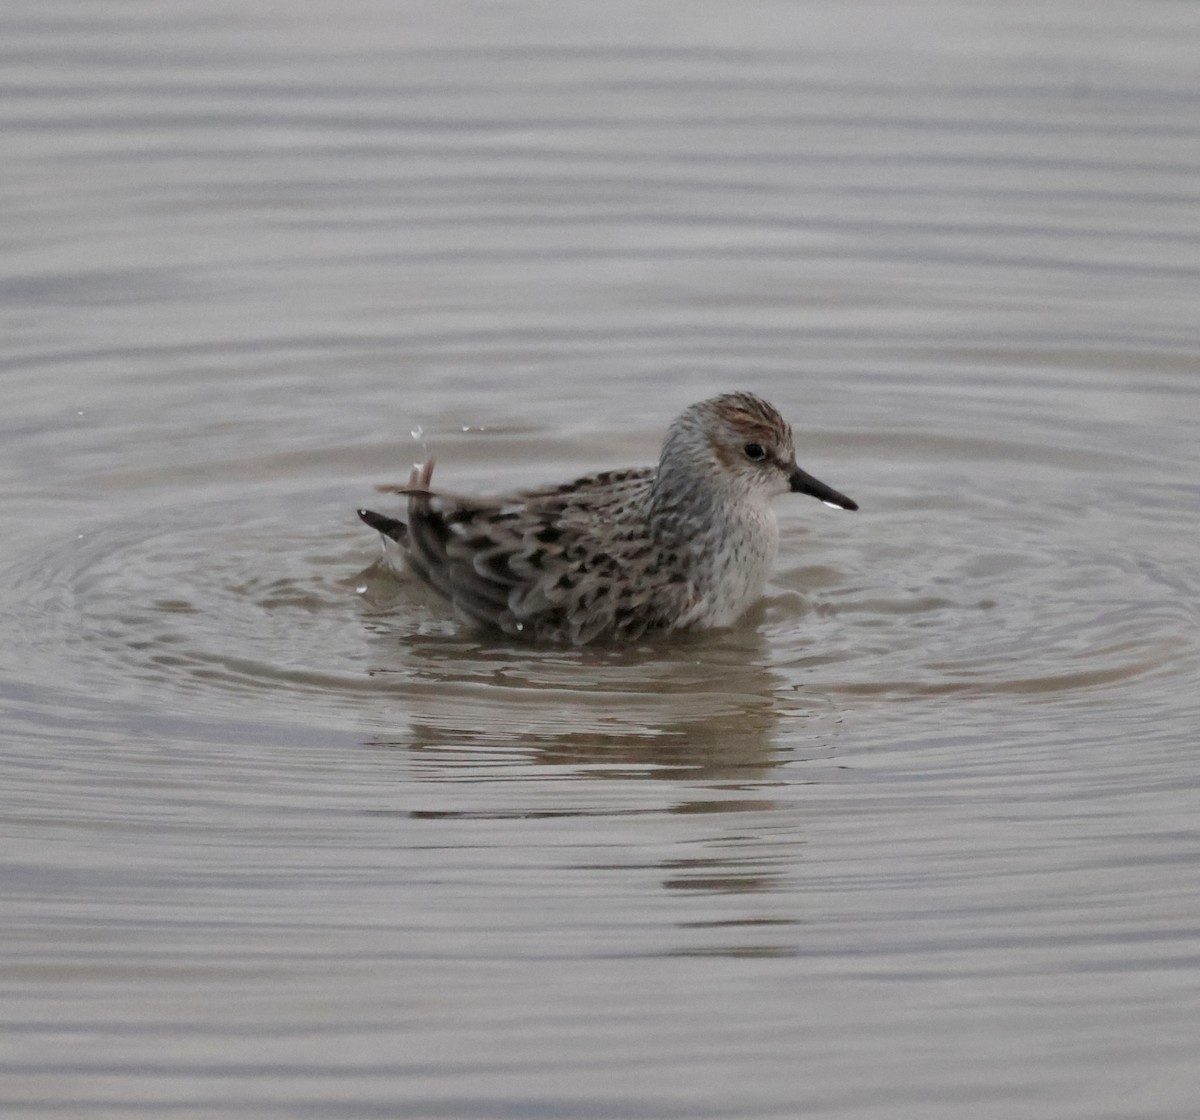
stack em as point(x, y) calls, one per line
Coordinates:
point(917, 839)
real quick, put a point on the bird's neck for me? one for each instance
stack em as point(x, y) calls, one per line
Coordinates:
point(686, 507)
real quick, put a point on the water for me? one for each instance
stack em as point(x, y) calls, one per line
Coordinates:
point(280, 839)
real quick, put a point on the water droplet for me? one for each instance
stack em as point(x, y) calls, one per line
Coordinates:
point(361, 589)
point(418, 432)
point(520, 626)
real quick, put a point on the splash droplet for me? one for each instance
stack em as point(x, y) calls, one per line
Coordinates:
point(418, 432)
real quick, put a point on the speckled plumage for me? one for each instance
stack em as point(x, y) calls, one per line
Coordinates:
point(610, 556)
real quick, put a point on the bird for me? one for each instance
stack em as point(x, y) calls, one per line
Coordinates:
point(612, 556)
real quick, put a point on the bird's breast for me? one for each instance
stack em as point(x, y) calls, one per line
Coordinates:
point(736, 563)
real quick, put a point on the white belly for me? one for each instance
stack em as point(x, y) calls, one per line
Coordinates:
point(738, 565)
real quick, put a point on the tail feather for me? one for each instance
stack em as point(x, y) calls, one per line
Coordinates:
point(388, 526)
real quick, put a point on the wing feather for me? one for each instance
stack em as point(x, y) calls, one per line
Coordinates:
point(571, 562)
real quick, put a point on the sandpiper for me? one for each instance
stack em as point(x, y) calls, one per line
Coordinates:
point(686, 544)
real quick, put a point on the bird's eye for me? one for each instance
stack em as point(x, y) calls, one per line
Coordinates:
point(755, 452)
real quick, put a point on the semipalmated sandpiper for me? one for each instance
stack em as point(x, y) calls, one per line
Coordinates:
point(610, 556)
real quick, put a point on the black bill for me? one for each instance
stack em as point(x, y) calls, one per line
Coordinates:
point(804, 483)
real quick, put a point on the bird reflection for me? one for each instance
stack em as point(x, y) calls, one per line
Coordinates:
point(695, 707)
point(676, 729)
